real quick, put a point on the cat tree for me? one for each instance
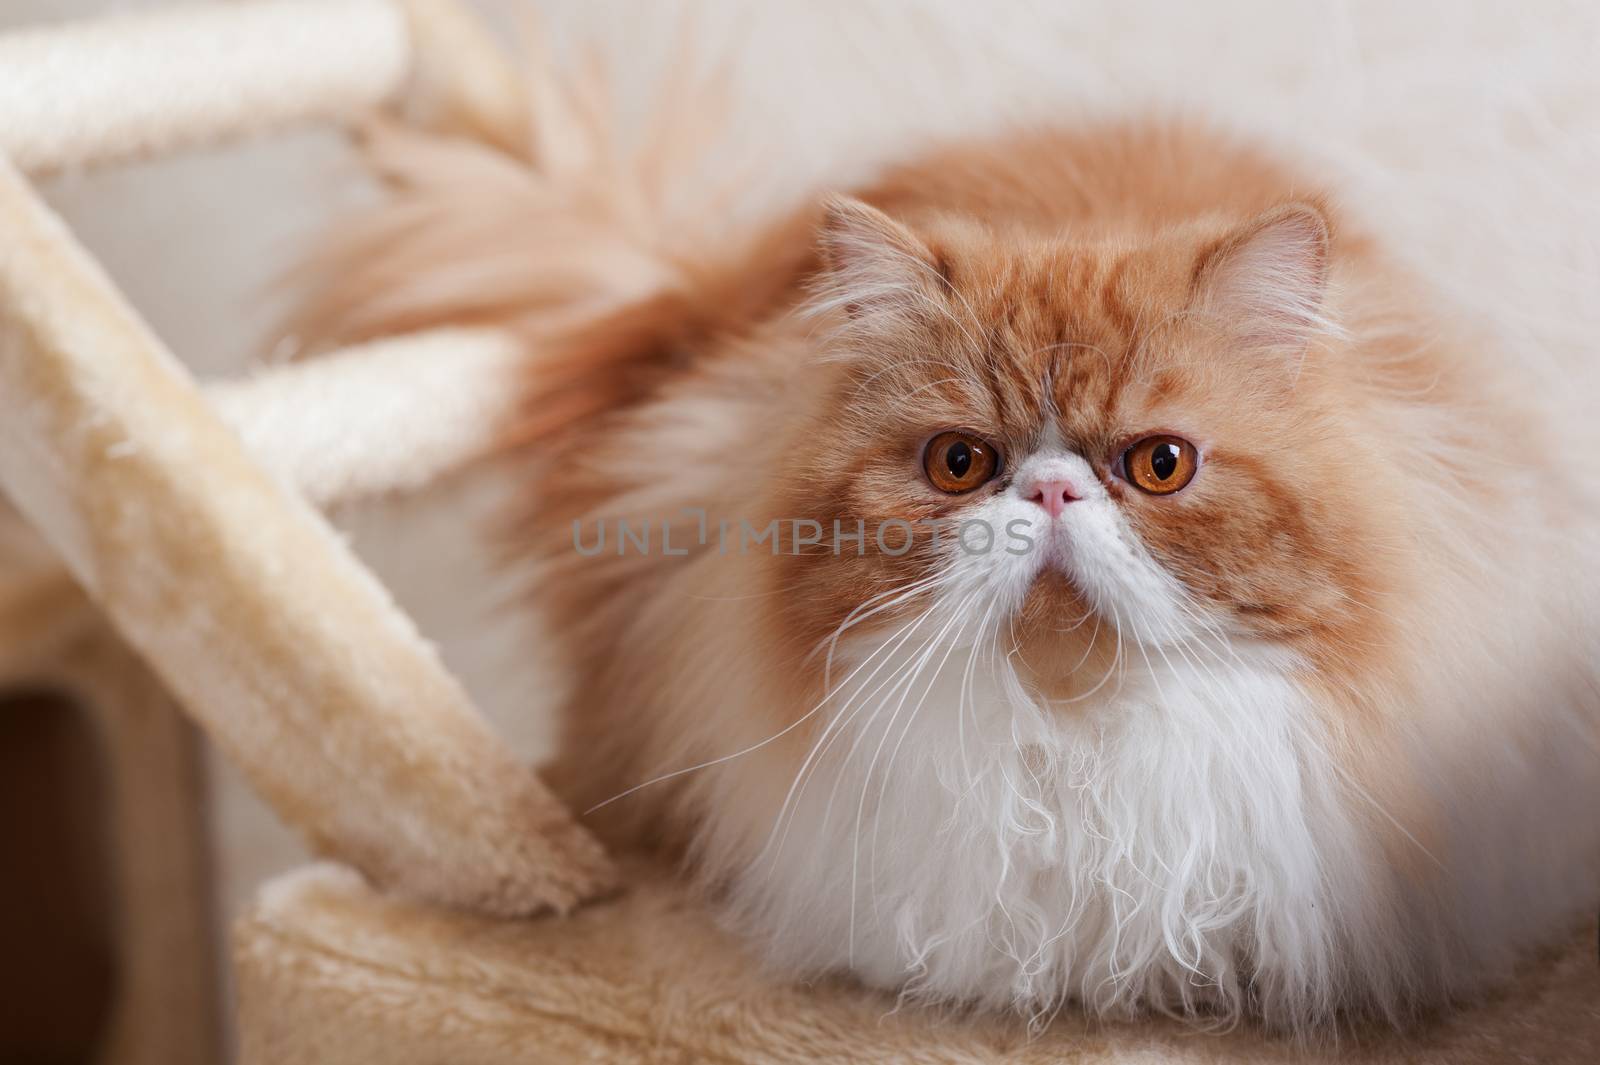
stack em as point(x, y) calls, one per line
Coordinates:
point(186, 556)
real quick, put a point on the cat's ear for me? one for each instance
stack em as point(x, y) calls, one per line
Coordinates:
point(873, 266)
point(1265, 283)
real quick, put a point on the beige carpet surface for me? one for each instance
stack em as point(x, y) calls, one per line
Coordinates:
point(330, 971)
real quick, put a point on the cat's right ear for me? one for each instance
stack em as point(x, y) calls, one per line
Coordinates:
point(872, 266)
point(1267, 280)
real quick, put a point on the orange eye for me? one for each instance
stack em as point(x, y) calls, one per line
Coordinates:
point(959, 462)
point(1160, 465)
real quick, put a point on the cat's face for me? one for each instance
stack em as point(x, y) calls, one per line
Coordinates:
point(1117, 444)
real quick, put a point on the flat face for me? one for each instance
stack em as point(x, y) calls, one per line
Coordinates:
point(1210, 483)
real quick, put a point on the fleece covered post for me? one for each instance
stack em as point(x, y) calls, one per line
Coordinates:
point(391, 415)
point(136, 85)
point(249, 607)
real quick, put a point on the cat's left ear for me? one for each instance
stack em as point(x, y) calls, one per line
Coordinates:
point(1266, 282)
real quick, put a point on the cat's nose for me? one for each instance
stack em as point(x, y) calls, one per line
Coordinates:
point(1053, 495)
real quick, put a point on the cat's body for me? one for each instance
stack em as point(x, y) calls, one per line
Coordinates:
point(1314, 735)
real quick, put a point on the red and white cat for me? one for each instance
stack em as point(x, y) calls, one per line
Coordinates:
point(1274, 691)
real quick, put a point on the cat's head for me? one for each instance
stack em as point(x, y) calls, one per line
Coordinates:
point(1119, 439)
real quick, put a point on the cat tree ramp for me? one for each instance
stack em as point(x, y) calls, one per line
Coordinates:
point(463, 914)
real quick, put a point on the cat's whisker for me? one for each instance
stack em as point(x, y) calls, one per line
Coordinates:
point(898, 596)
point(904, 677)
point(836, 724)
point(951, 290)
point(871, 379)
point(884, 651)
point(1113, 668)
point(911, 677)
point(888, 771)
point(740, 753)
point(967, 701)
point(901, 397)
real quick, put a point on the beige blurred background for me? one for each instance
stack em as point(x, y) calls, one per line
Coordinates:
point(1472, 129)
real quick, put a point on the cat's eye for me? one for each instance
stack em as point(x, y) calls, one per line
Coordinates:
point(1160, 465)
point(958, 462)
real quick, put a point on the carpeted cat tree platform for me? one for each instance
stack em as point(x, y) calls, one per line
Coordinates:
point(470, 918)
point(332, 970)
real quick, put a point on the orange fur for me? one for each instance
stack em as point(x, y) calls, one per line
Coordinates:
point(1081, 279)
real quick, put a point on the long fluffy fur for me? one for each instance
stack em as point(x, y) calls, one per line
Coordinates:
point(1374, 817)
point(580, 242)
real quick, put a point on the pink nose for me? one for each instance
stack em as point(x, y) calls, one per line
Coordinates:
point(1053, 496)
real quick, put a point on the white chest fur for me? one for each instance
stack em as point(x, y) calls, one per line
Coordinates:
point(1165, 844)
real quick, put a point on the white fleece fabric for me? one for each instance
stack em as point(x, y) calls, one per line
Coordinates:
point(132, 86)
point(388, 416)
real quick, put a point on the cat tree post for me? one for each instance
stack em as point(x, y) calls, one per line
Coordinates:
point(138, 85)
point(288, 652)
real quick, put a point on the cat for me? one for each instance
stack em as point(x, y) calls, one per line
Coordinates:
point(1080, 566)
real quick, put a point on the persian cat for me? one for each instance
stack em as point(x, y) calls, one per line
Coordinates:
point(1080, 566)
